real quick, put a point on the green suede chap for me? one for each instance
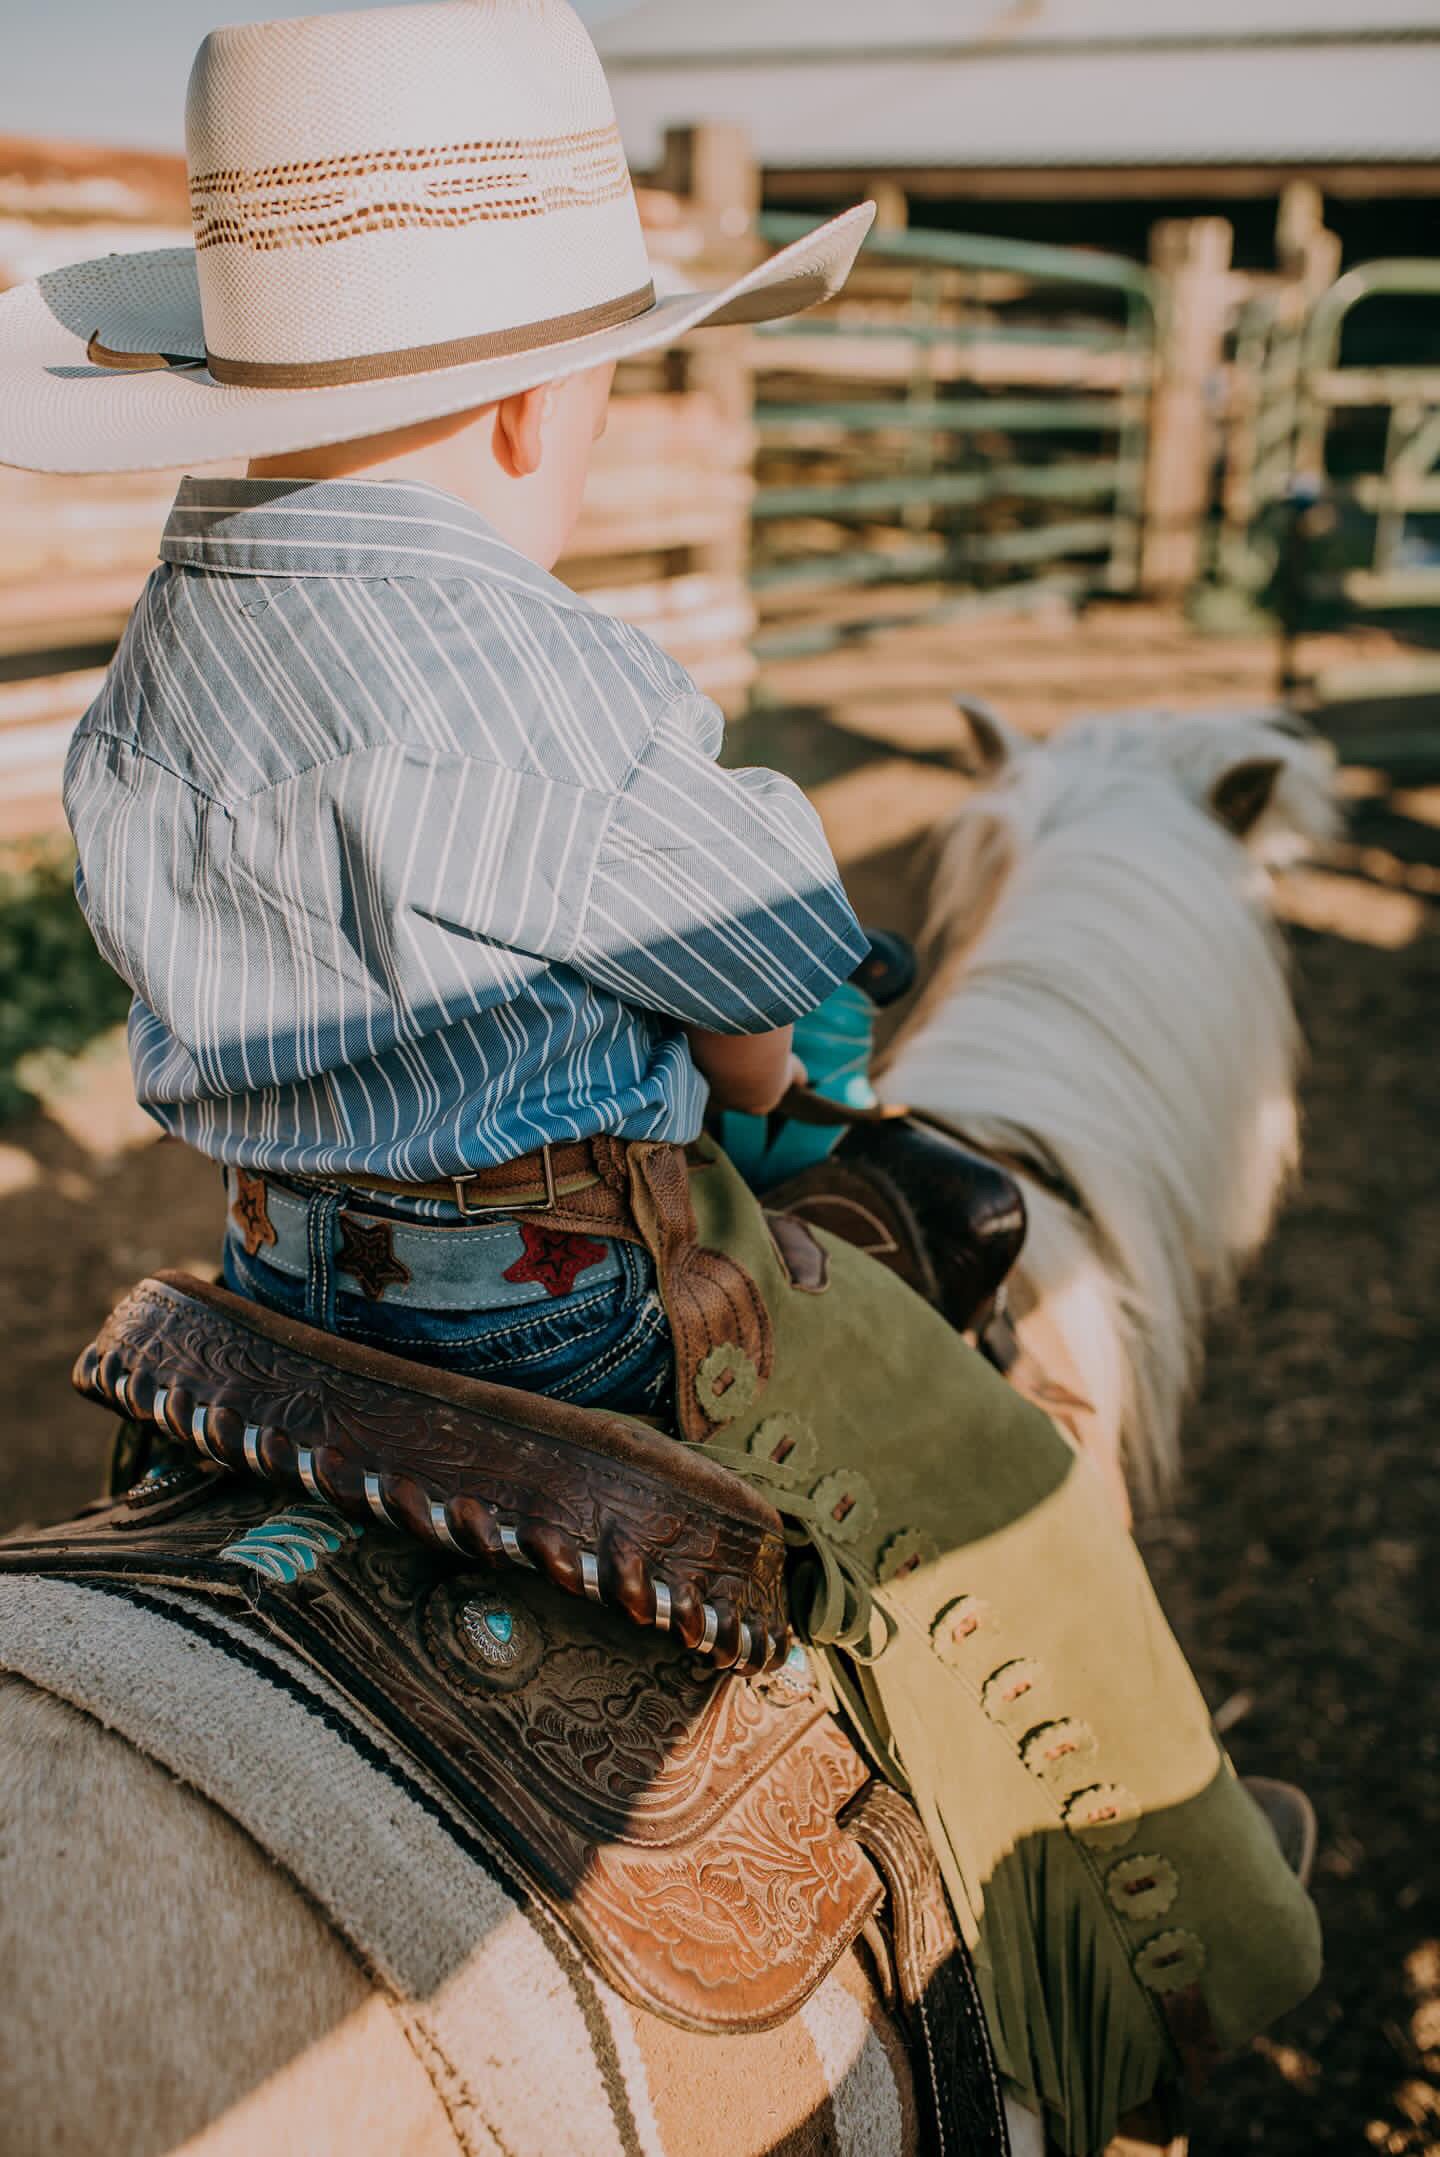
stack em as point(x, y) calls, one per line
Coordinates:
point(1100, 1854)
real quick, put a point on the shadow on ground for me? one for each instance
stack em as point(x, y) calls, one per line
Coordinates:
point(74, 1234)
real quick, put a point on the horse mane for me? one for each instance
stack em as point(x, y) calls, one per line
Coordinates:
point(1112, 996)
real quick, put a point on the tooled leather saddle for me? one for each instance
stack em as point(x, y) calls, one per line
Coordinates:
point(577, 1623)
point(714, 1843)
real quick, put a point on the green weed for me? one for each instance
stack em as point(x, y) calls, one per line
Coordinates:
point(56, 992)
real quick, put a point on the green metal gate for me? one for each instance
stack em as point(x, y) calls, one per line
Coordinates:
point(1331, 464)
point(971, 415)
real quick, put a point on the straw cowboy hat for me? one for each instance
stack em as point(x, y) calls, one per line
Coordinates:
point(398, 213)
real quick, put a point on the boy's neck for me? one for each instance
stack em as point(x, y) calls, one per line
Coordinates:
point(425, 454)
point(449, 454)
point(417, 452)
point(520, 461)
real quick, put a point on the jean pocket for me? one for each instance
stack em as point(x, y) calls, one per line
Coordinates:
point(614, 1352)
point(630, 1370)
point(608, 1347)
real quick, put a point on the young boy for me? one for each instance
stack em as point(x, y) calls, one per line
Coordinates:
point(441, 920)
point(483, 889)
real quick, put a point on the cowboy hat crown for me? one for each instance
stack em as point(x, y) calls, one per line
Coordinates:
point(403, 187)
point(398, 213)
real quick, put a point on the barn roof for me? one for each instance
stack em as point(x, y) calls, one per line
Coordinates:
point(995, 83)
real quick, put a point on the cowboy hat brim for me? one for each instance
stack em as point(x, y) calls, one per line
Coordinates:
point(59, 412)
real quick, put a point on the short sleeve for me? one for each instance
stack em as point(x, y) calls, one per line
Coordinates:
point(715, 897)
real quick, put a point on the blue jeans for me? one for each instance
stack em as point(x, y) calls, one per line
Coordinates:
point(602, 1346)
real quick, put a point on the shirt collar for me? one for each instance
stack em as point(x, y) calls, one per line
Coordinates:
point(344, 528)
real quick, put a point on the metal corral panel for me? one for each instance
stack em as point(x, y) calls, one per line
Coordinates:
point(1113, 83)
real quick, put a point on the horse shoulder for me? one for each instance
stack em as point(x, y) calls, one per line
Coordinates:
point(178, 1992)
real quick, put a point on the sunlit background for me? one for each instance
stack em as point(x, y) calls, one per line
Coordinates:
point(94, 72)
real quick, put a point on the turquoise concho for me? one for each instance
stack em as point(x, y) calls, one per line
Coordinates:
point(479, 1639)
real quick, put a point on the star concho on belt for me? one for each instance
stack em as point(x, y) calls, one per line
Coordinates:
point(553, 1258)
point(252, 1215)
point(367, 1254)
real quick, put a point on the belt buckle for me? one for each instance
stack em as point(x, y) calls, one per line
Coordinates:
point(547, 1202)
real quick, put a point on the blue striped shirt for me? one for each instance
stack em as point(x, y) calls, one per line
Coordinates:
point(414, 860)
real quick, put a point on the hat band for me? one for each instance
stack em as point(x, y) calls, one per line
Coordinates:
point(421, 359)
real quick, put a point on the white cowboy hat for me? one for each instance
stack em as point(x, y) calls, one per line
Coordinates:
point(398, 213)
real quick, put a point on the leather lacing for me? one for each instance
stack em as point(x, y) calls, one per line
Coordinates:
point(836, 1604)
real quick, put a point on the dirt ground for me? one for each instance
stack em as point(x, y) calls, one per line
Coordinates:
point(1301, 1567)
point(1301, 1562)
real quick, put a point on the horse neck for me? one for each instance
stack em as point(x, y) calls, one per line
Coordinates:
point(1121, 1007)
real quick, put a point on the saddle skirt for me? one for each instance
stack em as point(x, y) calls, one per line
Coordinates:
point(683, 1822)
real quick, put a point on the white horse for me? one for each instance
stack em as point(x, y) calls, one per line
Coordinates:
point(1109, 1003)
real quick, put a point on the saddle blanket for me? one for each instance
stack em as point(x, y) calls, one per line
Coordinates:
point(530, 2051)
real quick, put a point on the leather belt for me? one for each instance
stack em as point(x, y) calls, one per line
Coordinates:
point(541, 1180)
point(428, 1265)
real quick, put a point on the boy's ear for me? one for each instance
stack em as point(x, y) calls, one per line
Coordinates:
point(520, 430)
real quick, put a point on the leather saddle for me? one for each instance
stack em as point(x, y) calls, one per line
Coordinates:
point(713, 1841)
point(949, 1221)
point(576, 1622)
